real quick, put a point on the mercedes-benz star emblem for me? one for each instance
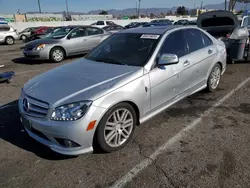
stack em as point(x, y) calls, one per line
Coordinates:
point(26, 105)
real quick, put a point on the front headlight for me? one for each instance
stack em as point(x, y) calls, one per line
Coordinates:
point(40, 47)
point(71, 112)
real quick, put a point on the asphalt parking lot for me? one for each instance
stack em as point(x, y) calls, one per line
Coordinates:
point(203, 141)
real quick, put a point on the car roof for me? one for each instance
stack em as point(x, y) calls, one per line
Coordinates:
point(151, 30)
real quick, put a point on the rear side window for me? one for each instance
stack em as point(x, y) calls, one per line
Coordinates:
point(4, 28)
point(93, 31)
point(206, 40)
point(175, 43)
point(194, 39)
point(100, 23)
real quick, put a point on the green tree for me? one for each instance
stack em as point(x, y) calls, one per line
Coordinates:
point(104, 12)
point(151, 15)
point(181, 10)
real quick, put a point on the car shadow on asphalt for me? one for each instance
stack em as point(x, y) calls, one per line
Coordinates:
point(26, 61)
point(12, 131)
point(23, 60)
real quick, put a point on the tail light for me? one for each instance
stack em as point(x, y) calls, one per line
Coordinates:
point(228, 35)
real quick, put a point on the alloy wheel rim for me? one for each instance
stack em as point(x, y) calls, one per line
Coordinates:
point(10, 41)
point(118, 127)
point(215, 78)
point(58, 55)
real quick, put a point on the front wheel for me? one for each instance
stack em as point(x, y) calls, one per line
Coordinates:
point(57, 55)
point(10, 40)
point(116, 127)
point(214, 78)
point(23, 38)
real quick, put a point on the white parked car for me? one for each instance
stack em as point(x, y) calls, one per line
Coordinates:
point(103, 23)
point(8, 34)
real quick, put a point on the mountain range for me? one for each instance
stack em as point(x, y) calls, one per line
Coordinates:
point(156, 11)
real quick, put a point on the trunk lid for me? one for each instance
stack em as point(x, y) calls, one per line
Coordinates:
point(218, 23)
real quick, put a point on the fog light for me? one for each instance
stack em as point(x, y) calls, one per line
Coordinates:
point(68, 143)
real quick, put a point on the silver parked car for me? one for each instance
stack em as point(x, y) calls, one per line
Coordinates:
point(8, 35)
point(127, 79)
point(67, 41)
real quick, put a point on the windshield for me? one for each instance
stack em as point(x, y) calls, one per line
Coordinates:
point(60, 33)
point(131, 49)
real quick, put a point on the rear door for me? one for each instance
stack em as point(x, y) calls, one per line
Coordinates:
point(94, 37)
point(76, 43)
point(202, 53)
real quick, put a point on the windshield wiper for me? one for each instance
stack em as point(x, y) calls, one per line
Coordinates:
point(109, 60)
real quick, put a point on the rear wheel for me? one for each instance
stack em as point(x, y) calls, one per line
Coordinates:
point(214, 78)
point(116, 127)
point(10, 40)
point(57, 54)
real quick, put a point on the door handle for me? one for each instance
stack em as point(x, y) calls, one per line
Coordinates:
point(210, 51)
point(186, 63)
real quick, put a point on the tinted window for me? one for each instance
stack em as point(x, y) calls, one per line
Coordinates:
point(79, 32)
point(110, 23)
point(100, 23)
point(132, 49)
point(4, 28)
point(93, 31)
point(206, 40)
point(194, 39)
point(175, 43)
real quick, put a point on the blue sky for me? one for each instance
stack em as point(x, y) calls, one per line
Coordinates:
point(11, 6)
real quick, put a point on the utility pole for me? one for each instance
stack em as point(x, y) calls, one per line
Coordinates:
point(139, 6)
point(225, 4)
point(67, 8)
point(39, 5)
point(201, 5)
point(136, 9)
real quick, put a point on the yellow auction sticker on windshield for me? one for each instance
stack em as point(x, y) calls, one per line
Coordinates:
point(150, 36)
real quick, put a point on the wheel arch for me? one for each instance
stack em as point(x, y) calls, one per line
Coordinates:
point(58, 46)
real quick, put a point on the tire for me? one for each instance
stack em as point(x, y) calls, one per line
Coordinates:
point(23, 38)
point(105, 132)
point(57, 54)
point(9, 40)
point(214, 78)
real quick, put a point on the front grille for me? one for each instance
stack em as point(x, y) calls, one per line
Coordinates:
point(36, 108)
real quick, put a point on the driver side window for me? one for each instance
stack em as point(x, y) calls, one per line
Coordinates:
point(79, 32)
point(175, 43)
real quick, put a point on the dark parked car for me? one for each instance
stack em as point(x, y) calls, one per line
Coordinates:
point(113, 28)
point(224, 25)
point(135, 24)
point(162, 21)
point(192, 22)
point(157, 24)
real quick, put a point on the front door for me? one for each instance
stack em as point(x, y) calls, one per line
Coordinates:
point(165, 80)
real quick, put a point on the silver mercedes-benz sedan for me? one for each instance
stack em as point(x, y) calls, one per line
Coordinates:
point(127, 79)
point(66, 41)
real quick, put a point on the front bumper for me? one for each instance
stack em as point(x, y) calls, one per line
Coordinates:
point(36, 54)
point(49, 132)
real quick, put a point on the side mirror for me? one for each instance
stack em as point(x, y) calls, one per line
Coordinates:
point(69, 37)
point(167, 59)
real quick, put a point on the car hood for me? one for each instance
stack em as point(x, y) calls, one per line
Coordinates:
point(42, 41)
point(81, 80)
